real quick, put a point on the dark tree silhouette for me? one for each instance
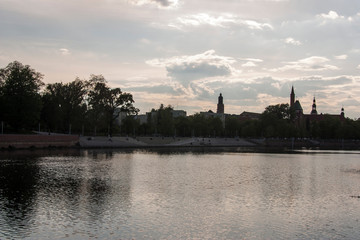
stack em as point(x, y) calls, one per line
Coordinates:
point(64, 105)
point(20, 98)
point(108, 102)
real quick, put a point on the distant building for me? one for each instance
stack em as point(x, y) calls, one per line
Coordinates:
point(220, 105)
point(313, 110)
point(122, 116)
point(142, 118)
point(153, 115)
point(313, 116)
point(292, 97)
point(178, 113)
point(246, 116)
point(210, 113)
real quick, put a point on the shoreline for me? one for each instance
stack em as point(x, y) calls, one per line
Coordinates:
point(14, 142)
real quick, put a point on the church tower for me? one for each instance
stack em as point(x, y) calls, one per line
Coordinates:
point(220, 105)
point(292, 97)
point(313, 111)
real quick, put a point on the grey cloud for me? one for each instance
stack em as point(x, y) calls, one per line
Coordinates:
point(256, 94)
point(155, 89)
point(350, 102)
point(192, 71)
point(222, 20)
point(278, 87)
point(164, 3)
point(185, 69)
point(313, 63)
point(159, 3)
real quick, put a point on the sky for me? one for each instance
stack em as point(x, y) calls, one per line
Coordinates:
point(185, 53)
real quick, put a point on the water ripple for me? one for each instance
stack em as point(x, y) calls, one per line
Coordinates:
point(146, 195)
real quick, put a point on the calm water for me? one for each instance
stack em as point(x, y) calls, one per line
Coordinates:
point(179, 195)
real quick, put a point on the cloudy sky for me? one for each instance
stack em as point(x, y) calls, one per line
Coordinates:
point(186, 52)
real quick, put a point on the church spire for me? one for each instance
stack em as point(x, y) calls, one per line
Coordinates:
point(313, 111)
point(292, 97)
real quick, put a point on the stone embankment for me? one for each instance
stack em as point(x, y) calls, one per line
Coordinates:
point(89, 142)
point(16, 141)
point(45, 141)
point(143, 142)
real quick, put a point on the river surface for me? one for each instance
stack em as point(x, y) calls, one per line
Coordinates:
point(165, 194)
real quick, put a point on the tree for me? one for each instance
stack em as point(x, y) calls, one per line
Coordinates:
point(64, 105)
point(165, 121)
point(215, 126)
point(279, 111)
point(249, 128)
point(199, 125)
point(276, 121)
point(107, 103)
point(161, 121)
point(232, 126)
point(20, 98)
point(329, 127)
point(182, 126)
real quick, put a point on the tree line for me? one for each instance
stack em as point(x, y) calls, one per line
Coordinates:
point(277, 121)
point(77, 107)
point(91, 107)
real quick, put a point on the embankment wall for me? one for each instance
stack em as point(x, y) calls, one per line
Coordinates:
point(37, 141)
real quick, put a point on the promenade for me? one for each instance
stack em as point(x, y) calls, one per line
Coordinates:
point(92, 142)
point(74, 141)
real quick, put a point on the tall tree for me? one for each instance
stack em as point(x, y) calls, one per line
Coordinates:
point(21, 101)
point(165, 120)
point(109, 102)
point(276, 121)
point(64, 105)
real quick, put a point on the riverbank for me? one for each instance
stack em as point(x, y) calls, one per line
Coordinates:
point(72, 141)
point(143, 142)
point(22, 141)
point(91, 142)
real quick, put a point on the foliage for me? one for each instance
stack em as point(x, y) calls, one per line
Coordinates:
point(64, 106)
point(161, 121)
point(107, 103)
point(20, 98)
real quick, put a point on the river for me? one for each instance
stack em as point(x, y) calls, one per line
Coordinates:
point(172, 194)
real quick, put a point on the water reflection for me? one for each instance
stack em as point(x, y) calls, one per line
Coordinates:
point(18, 194)
point(62, 187)
point(167, 194)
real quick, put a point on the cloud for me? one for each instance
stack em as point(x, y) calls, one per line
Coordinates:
point(313, 63)
point(249, 64)
point(341, 57)
point(189, 68)
point(251, 95)
point(64, 51)
point(222, 20)
point(159, 3)
point(144, 41)
point(292, 41)
point(358, 67)
point(251, 59)
point(331, 15)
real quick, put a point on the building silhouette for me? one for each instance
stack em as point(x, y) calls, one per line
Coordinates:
point(292, 97)
point(313, 110)
point(220, 105)
point(313, 116)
